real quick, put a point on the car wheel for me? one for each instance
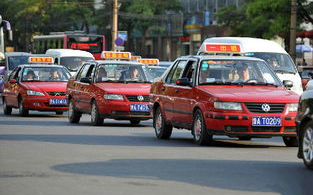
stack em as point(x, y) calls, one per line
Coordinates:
point(162, 130)
point(96, 119)
point(7, 110)
point(21, 110)
point(200, 134)
point(290, 141)
point(307, 145)
point(59, 113)
point(73, 114)
point(134, 121)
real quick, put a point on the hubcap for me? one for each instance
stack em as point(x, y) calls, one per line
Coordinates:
point(93, 112)
point(198, 128)
point(158, 123)
point(70, 110)
point(308, 145)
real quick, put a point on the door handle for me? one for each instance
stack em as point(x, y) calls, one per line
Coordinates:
point(163, 88)
point(176, 91)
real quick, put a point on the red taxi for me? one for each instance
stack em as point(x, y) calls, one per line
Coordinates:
point(224, 95)
point(109, 89)
point(38, 85)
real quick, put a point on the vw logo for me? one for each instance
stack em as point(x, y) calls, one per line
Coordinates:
point(266, 107)
point(140, 98)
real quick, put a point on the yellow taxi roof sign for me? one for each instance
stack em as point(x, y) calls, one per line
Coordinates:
point(116, 55)
point(149, 61)
point(222, 48)
point(135, 58)
point(40, 60)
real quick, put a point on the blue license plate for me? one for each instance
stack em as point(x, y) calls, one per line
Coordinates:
point(266, 121)
point(139, 107)
point(57, 102)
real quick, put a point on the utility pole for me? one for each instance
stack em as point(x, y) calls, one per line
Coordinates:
point(293, 25)
point(115, 23)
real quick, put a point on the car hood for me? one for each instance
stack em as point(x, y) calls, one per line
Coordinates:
point(251, 94)
point(125, 88)
point(46, 86)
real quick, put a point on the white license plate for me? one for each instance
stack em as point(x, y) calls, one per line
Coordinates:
point(266, 121)
point(57, 102)
point(139, 107)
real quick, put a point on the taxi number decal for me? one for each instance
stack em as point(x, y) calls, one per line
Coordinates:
point(139, 107)
point(57, 101)
point(266, 121)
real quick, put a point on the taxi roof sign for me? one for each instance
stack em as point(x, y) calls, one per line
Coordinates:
point(222, 48)
point(149, 61)
point(41, 60)
point(135, 58)
point(116, 55)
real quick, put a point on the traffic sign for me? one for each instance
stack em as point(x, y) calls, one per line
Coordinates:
point(119, 41)
point(119, 48)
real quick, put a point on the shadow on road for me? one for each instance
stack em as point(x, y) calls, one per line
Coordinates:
point(142, 139)
point(286, 178)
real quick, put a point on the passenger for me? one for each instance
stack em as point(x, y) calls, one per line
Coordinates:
point(273, 62)
point(102, 74)
point(134, 73)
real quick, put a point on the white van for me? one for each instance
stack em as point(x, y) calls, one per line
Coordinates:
point(269, 51)
point(71, 59)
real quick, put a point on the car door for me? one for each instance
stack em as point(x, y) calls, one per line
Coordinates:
point(79, 87)
point(12, 88)
point(87, 89)
point(184, 95)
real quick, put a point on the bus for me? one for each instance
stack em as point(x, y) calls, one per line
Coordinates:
point(92, 43)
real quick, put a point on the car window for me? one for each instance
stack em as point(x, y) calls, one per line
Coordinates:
point(189, 70)
point(14, 74)
point(83, 72)
point(177, 73)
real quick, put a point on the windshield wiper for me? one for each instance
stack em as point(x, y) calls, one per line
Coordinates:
point(284, 71)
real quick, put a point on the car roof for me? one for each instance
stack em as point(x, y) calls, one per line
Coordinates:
point(221, 57)
point(9, 54)
point(118, 62)
point(69, 52)
point(247, 44)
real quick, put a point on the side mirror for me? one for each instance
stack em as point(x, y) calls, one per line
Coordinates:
point(288, 84)
point(12, 81)
point(85, 80)
point(183, 82)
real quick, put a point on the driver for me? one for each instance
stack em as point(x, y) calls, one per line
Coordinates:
point(243, 74)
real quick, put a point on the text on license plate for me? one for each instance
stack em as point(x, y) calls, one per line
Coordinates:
point(57, 101)
point(139, 107)
point(266, 121)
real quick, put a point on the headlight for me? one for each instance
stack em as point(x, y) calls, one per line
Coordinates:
point(292, 107)
point(31, 92)
point(113, 97)
point(227, 105)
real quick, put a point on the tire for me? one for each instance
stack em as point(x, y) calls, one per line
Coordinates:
point(290, 141)
point(73, 114)
point(306, 144)
point(201, 135)
point(134, 121)
point(161, 129)
point(59, 113)
point(7, 110)
point(96, 119)
point(21, 110)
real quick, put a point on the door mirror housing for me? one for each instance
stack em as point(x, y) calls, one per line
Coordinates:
point(183, 82)
point(288, 84)
point(85, 80)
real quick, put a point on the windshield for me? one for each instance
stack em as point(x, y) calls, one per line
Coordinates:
point(305, 73)
point(120, 73)
point(280, 62)
point(73, 63)
point(237, 72)
point(14, 61)
point(45, 74)
point(155, 72)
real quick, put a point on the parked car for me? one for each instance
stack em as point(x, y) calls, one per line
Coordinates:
point(109, 89)
point(36, 87)
point(223, 95)
point(305, 128)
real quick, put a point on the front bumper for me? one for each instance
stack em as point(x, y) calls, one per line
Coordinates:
point(236, 125)
point(41, 103)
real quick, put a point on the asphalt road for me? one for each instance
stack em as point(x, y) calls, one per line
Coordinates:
point(44, 154)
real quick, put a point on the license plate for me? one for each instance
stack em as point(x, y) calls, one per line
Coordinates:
point(139, 107)
point(57, 101)
point(266, 121)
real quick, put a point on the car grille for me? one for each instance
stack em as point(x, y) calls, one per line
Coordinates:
point(57, 93)
point(266, 129)
point(139, 113)
point(257, 107)
point(133, 98)
point(48, 105)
